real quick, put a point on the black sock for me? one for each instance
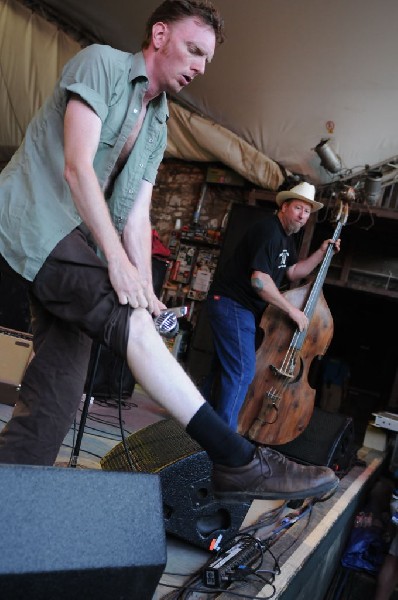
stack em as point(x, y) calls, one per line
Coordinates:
point(222, 444)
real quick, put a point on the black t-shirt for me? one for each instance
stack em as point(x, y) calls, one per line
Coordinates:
point(264, 247)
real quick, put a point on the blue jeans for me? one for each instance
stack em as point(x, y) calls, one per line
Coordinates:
point(234, 331)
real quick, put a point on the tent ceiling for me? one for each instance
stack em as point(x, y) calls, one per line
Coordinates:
point(287, 72)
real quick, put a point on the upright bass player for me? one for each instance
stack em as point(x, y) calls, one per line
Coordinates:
point(263, 260)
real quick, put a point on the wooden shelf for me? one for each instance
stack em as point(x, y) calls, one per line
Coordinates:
point(371, 289)
point(377, 211)
point(199, 242)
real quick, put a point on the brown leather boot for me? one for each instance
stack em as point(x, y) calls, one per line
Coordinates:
point(270, 475)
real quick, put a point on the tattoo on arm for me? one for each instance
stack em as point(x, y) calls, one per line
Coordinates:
point(257, 284)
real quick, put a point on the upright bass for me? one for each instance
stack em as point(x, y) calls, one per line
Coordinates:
point(280, 400)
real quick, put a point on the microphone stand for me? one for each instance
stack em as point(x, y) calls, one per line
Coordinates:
point(96, 351)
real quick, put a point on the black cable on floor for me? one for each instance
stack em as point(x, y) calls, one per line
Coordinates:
point(126, 449)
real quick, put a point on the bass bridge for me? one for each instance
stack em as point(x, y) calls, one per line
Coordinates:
point(284, 373)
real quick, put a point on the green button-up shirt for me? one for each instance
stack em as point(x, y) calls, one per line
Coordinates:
point(36, 206)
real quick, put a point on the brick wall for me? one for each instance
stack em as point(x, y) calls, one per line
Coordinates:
point(177, 192)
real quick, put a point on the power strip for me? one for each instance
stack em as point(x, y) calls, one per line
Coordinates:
point(224, 569)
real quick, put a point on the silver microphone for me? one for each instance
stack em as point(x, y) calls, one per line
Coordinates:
point(179, 311)
point(167, 322)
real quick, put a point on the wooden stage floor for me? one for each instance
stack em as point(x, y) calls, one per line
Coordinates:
point(307, 552)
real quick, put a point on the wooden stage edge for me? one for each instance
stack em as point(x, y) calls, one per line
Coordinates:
point(309, 552)
point(309, 545)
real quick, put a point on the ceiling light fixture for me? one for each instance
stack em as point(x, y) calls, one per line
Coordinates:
point(329, 159)
point(373, 186)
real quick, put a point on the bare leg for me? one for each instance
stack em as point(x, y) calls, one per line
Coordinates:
point(158, 372)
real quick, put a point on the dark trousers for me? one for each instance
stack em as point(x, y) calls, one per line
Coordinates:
point(72, 302)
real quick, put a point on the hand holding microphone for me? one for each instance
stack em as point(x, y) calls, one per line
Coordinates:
point(167, 322)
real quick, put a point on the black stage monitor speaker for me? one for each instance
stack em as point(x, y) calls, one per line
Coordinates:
point(328, 440)
point(191, 511)
point(72, 534)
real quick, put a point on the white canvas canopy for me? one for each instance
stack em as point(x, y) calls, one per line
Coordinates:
point(289, 74)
